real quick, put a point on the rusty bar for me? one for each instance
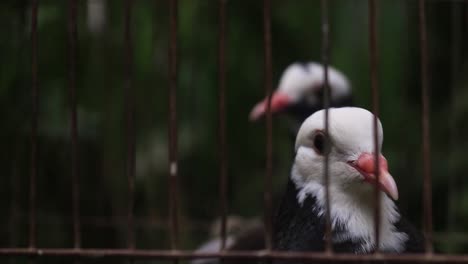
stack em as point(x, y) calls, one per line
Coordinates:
point(455, 62)
point(247, 255)
point(375, 109)
point(222, 146)
point(269, 126)
point(130, 121)
point(34, 125)
point(326, 106)
point(72, 40)
point(15, 187)
point(427, 188)
point(173, 181)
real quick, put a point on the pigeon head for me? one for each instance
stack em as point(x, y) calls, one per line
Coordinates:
point(302, 85)
point(350, 148)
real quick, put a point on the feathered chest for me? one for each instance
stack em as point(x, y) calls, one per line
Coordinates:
point(300, 225)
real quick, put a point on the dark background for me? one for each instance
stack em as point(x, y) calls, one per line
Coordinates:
point(295, 37)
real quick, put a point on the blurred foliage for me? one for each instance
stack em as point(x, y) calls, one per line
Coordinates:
point(296, 37)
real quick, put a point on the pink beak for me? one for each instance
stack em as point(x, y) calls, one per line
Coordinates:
point(365, 164)
point(279, 101)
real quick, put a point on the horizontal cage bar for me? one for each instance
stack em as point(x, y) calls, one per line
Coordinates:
point(253, 255)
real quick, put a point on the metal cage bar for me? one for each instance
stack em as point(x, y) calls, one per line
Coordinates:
point(455, 55)
point(269, 124)
point(222, 135)
point(34, 124)
point(326, 104)
point(245, 255)
point(172, 115)
point(72, 41)
point(425, 119)
point(129, 120)
point(375, 109)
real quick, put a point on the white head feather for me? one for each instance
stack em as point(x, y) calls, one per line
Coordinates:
point(303, 80)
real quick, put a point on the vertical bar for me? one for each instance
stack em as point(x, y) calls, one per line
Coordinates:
point(173, 177)
point(15, 187)
point(130, 123)
point(427, 187)
point(72, 40)
point(455, 61)
point(326, 102)
point(269, 145)
point(222, 118)
point(375, 110)
point(34, 124)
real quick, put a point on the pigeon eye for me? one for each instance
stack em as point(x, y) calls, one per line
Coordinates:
point(320, 143)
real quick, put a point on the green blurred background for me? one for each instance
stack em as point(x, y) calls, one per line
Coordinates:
point(295, 37)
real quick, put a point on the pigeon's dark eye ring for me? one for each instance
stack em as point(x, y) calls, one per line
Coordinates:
point(320, 142)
